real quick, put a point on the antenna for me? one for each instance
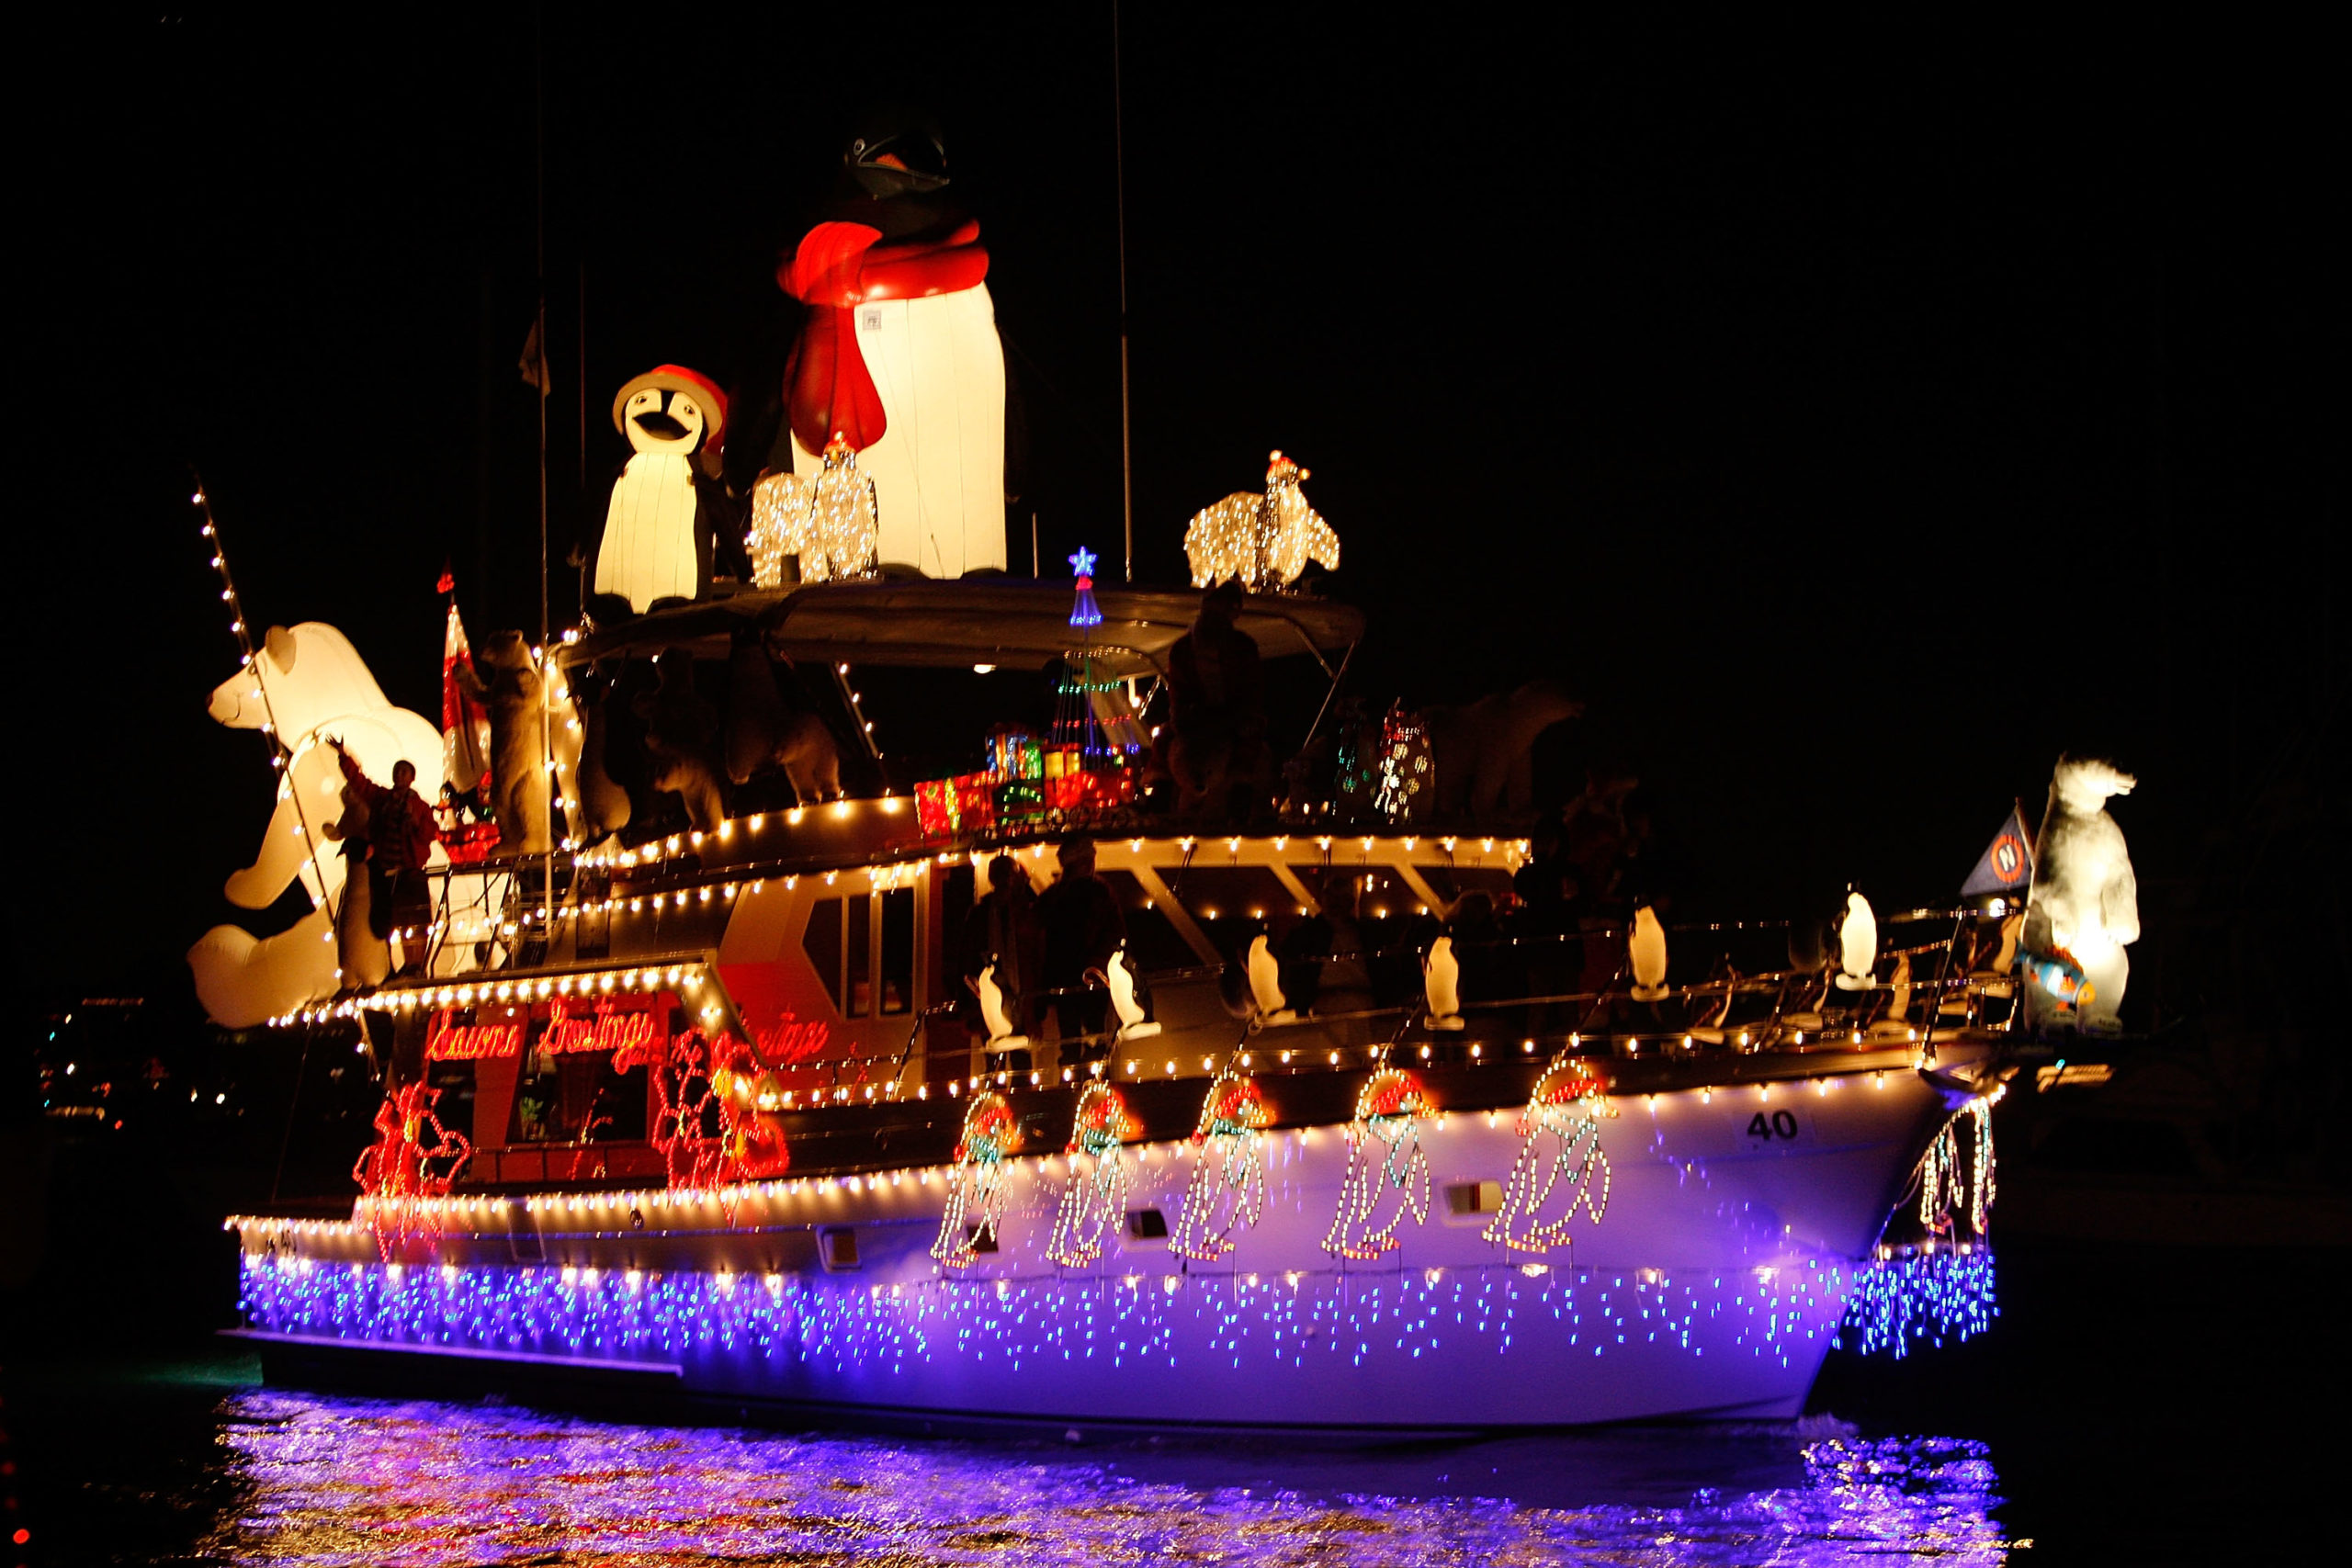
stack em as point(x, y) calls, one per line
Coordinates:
point(1126, 433)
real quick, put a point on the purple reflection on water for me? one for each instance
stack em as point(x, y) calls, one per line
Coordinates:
point(355, 1482)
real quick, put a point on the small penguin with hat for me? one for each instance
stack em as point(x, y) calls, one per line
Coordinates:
point(669, 510)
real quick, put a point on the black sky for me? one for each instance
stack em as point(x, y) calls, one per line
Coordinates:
point(1858, 416)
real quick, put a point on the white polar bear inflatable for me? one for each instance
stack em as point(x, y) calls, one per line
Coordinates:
point(2085, 901)
point(305, 685)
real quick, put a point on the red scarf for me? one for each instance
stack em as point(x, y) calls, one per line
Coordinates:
point(839, 267)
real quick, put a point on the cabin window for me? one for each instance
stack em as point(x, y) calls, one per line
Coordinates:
point(859, 934)
point(898, 950)
point(1466, 1198)
point(1146, 1226)
point(456, 1105)
point(576, 1097)
point(823, 945)
point(837, 1250)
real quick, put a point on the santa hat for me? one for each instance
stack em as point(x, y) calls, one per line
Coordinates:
point(678, 379)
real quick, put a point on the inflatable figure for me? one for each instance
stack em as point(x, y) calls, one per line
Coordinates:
point(898, 356)
point(2084, 908)
point(1485, 752)
point(763, 731)
point(504, 678)
point(304, 684)
point(669, 512)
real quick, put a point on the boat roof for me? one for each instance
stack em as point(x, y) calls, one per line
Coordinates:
point(972, 620)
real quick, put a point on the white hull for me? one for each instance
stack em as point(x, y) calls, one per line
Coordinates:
point(1713, 1285)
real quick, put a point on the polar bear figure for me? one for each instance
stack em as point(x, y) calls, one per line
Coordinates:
point(2084, 902)
point(303, 685)
point(1265, 541)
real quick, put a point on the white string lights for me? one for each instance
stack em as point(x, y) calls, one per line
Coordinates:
point(1227, 1189)
point(1560, 1133)
point(1096, 1197)
point(1384, 1155)
point(976, 1187)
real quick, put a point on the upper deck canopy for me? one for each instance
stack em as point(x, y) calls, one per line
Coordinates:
point(1003, 621)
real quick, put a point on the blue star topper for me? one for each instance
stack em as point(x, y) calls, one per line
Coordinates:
point(1084, 561)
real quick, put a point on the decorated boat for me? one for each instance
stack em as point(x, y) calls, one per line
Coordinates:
point(1115, 1076)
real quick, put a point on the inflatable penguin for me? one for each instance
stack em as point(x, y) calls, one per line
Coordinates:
point(897, 355)
point(669, 514)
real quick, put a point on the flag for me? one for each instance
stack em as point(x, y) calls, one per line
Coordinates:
point(533, 363)
point(465, 723)
point(2006, 868)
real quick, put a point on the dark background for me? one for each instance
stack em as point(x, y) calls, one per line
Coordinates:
point(1857, 414)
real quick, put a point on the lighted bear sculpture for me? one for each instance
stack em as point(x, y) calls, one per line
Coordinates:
point(2085, 902)
point(305, 684)
point(1265, 541)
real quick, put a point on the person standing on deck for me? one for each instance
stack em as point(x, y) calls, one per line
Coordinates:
point(1083, 926)
point(1217, 710)
point(401, 836)
point(1002, 929)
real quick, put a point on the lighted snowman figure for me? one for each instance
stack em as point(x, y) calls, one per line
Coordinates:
point(657, 543)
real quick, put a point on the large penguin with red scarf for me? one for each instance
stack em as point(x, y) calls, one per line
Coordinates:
point(897, 353)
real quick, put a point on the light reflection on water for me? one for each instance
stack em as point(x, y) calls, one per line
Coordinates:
point(333, 1481)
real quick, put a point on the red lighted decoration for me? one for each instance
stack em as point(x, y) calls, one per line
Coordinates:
point(448, 1042)
point(414, 1159)
point(708, 1121)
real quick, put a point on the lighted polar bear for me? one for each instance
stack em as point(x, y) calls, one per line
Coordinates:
point(1263, 540)
point(306, 685)
point(2085, 901)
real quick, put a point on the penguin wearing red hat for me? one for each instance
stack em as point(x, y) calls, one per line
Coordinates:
point(669, 512)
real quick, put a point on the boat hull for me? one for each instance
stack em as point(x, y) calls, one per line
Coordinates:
point(1711, 1286)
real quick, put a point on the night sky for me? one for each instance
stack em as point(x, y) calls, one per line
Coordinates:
point(1856, 417)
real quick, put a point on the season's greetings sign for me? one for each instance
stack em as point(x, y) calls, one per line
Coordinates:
point(563, 1033)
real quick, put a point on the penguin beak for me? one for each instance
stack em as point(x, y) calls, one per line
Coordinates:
point(659, 425)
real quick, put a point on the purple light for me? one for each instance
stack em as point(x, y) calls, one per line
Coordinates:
point(328, 1480)
point(1267, 1320)
point(1934, 1297)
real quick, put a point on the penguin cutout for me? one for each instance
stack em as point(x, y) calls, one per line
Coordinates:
point(1646, 950)
point(1135, 1019)
point(992, 1013)
point(667, 507)
point(1265, 983)
point(1857, 945)
point(1441, 984)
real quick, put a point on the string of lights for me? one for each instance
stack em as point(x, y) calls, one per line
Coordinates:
point(1243, 1320)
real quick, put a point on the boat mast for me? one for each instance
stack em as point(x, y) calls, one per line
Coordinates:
point(1119, 155)
point(539, 335)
